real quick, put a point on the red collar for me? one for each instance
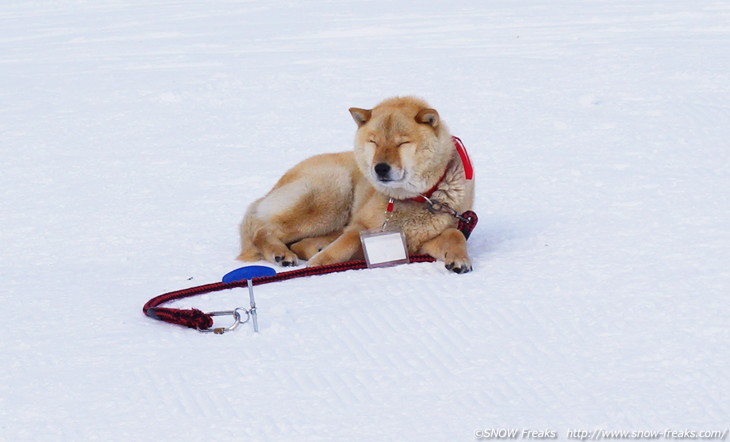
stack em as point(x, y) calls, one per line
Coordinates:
point(422, 197)
point(465, 161)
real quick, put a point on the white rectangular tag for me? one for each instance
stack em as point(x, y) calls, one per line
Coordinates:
point(384, 249)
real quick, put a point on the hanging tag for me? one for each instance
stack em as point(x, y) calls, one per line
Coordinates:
point(383, 249)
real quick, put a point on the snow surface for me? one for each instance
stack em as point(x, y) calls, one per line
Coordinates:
point(134, 134)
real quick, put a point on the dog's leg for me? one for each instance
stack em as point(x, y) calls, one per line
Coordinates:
point(450, 247)
point(308, 247)
point(342, 249)
point(267, 240)
point(260, 240)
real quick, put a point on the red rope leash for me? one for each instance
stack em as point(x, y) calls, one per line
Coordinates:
point(467, 221)
point(195, 318)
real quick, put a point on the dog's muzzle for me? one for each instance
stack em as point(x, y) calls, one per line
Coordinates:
point(382, 170)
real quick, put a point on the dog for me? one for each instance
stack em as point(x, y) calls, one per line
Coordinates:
point(403, 151)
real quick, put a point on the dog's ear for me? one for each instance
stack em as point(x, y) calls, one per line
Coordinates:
point(428, 116)
point(361, 116)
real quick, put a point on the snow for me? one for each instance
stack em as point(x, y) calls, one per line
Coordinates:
point(133, 135)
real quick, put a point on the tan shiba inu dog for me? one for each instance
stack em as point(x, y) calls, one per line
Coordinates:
point(317, 210)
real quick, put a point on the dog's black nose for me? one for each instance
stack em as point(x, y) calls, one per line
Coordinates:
point(382, 169)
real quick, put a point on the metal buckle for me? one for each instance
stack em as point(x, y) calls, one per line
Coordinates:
point(435, 206)
point(236, 320)
point(250, 313)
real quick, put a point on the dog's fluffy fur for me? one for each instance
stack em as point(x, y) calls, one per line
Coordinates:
point(317, 210)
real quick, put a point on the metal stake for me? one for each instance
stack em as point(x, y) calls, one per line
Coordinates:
point(253, 306)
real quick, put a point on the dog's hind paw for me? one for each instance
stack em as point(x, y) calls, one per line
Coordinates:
point(286, 260)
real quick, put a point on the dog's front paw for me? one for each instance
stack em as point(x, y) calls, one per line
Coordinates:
point(321, 259)
point(459, 265)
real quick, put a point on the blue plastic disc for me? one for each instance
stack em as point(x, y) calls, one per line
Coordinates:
point(248, 272)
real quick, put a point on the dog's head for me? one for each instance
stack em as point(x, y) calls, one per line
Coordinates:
point(401, 146)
